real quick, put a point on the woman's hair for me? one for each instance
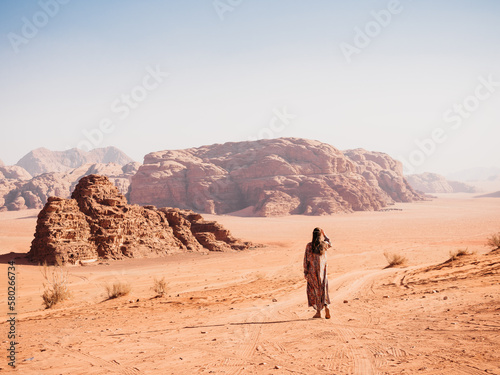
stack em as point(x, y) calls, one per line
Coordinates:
point(318, 246)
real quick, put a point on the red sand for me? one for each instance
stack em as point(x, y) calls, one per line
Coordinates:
point(246, 313)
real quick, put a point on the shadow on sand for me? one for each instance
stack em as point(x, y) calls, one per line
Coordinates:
point(18, 258)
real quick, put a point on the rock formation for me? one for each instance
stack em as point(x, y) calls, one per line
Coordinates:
point(25, 192)
point(435, 183)
point(384, 174)
point(97, 223)
point(270, 178)
point(11, 178)
point(42, 160)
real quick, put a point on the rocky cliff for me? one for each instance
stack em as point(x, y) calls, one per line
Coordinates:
point(384, 174)
point(270, 178)
point(435, 183)
point(42, 160)
point(97, 223)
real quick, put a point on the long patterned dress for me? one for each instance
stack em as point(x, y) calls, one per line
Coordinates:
point(315, 271)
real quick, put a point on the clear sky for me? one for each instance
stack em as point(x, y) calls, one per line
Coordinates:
point(419, 80)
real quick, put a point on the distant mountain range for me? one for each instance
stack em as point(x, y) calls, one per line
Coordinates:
point(434, 183)
point(476, 174)
point(42, 160)
point(259, 178)
point(270, 177)
point(42, 173)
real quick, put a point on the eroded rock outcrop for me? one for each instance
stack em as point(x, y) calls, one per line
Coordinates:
point(97, 222)
point(270, 178)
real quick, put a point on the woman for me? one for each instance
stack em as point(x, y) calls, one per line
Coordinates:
point(315, 272)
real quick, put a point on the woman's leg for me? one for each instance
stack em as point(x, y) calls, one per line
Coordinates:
point(318, 312)
point(327, 312)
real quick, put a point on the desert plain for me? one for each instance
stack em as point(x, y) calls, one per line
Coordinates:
point(246, 312)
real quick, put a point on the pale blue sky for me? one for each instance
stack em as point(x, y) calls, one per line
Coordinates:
point(228, 77)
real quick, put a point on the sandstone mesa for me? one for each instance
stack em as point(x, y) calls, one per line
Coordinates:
point(270, 178)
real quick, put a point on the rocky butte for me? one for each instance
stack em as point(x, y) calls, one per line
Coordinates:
point(270, 178)
point(97, 222)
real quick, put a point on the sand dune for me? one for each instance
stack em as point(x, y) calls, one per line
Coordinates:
point(246, 313)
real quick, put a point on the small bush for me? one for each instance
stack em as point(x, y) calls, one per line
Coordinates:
point(160, 287)
point(118, 289)
point(55, 285)
point(454, 255)
point(494, 241)
point(395, 260)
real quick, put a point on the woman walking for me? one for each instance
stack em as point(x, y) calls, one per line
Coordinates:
point(315, 272)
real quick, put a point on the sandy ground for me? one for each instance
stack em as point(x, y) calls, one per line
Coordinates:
point(246, 313)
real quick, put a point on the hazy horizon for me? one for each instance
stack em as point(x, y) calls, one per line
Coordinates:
point(417, 80)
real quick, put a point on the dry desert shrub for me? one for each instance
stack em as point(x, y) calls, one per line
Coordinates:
point(395, 259)
point(459, 253)
point(494, 241)
point(55, 285)
point(117, 289)
point(160, 286)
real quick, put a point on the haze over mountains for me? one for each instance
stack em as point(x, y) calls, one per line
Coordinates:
point(435, 183)
point(42, 160)
point(261, 178)
point(476, 174)
point(43, 173)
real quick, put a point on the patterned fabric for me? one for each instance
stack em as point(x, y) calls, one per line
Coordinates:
point(315, 272)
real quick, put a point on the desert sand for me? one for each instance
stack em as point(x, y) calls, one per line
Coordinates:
point(246, 312)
